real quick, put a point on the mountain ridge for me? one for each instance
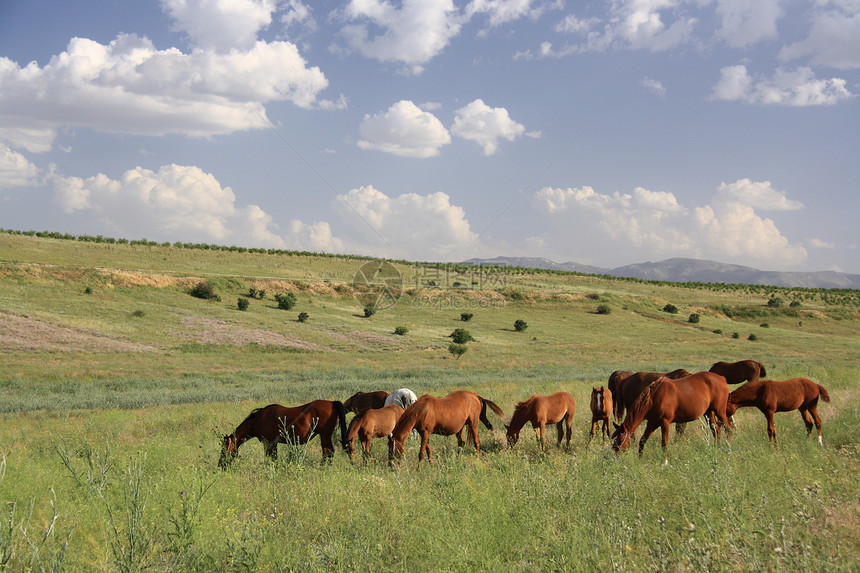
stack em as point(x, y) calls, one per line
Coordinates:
point(681, 269)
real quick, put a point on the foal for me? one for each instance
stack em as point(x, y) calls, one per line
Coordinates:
point(601, 410)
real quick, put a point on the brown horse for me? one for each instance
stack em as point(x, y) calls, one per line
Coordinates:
point(601, 410)
point(555, 409)
point(443, 416)
point(275, 424)
point(772, 396)
point(615, 381)
point(665, 401)
point(361, 401)
point(737, 372)
point(373, 423)
point(631, 386)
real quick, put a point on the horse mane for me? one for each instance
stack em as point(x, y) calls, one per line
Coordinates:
point(640, 406)
point(526, 402)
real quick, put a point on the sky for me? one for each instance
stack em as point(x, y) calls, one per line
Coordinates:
point(604, 133)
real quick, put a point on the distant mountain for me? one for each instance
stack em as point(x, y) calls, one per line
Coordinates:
point(692, 270)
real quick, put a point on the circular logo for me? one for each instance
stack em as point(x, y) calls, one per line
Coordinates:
point(378, 284)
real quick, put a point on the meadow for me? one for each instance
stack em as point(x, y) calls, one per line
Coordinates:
point(117, 386)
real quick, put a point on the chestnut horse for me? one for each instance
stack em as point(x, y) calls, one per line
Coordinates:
point(555, 409)
point(737, 372)
point(615, 381)
point(601, 410)
point(772, 396)
point(373, 423)
point(682, 400)
point(275, 424)
point(443, 416)
point(361, 401)
point(631, 386)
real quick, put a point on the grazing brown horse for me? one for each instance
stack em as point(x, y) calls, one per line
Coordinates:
point(772, 396)
point(665, 401)
point(601, 410)
point(631, 386)
point(443, 416)
point(275, 424)
point(373, 423)
point(615, 381)
point(361, 401)
point(555, 409)
point(737, 372)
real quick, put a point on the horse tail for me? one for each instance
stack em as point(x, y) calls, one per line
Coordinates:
point(823, 393)
point(494, 407)
point(341, 417)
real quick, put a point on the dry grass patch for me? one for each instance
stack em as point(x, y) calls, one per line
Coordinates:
point(20, 332)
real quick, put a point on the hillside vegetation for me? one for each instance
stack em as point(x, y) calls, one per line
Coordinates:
point(117, 384)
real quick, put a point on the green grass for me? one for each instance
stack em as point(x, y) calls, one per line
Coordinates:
point(114, 416)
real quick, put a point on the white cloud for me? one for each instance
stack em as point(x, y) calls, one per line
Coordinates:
point(820, 244)
point(757, 194)
point(16, 170)
point(130, 87)
point(405, 130)
point(654, 86)
point(502, 11)
point(221, 24)
point(797, 88)
point(652, 224)
point(412, 34)
point(744, 23)
point(425, 227)
point(485, 125)
point(180, 203)
point(834, 38)
point(654, 25)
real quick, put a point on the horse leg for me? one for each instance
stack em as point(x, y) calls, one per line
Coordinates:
point(814, 411)
point(560, 429)
point(425, 447)
point(542, 435)
point(665, 431)
point(327, 446)
point(460, 441)
point(650, 428)
point(606, 428)
point(568, 423)
point(771, 428)
point(593, 425)
point(806, 420)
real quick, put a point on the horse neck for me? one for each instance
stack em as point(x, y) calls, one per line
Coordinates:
point(405, 424)
point(640, 406)
point(520, 417)
point(745, 395)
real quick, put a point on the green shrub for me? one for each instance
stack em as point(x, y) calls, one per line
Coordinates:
point(735, 335)
point(694, 318)
point(604, 309)
point(138, 313)
point(88, 290)
point(204, 290)
point(466, 316)
point(303, 317)
point(752, 337)
point(794, 304)
point(520, 325)
point(461, 336)
point(671, 309)
point(457, 350)
point(774, 302)
point(764, 325)
point(242, 303)
point(718, 331)
point(401, 330)
point(369, 311)
point(286, 301)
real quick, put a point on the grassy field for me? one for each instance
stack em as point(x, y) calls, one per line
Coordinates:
point(117, 385)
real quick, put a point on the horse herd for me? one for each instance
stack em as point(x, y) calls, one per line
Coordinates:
point(658, 399)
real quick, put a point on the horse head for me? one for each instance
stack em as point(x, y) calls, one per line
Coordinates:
point(512, 435)
point(228, 450)
point(620, 439)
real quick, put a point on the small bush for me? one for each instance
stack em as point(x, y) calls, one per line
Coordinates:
point(718, 331)
point(466, 316)
point(369, 311)
point(694, 318)
point(752, 337)
point(735, 335)
point(303, 317)
point(88, 290)
point(520, 325)
point(138, 313)
point(401, 330)
point(794, 304)
point(204, 290)
point(764, 325)
point(286, 301)
point(604, 309)
point(461, 336)
point(457, 350)
point(242, 303)
point(671, 309)
point(774, 302)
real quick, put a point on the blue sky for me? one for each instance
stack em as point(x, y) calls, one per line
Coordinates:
point(605, 133)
